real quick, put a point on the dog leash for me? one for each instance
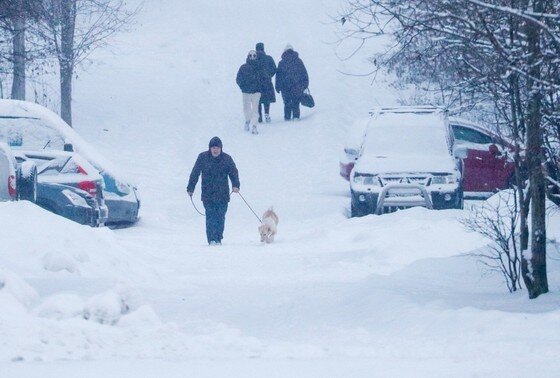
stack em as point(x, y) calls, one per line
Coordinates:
point(196, 208)
point(250, 208)
point(243, 198)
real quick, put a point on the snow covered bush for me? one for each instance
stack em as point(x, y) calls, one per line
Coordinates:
point(106, 308)
point(497, 220)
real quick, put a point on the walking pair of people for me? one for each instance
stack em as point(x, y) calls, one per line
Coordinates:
point(254, 78)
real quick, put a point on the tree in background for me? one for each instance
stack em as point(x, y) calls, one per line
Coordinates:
point(14, 16)
point(478, 53)
point(73, 29)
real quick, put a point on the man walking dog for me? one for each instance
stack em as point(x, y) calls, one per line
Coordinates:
point(215, 166)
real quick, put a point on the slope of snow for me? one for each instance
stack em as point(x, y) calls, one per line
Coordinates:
point(392, 295)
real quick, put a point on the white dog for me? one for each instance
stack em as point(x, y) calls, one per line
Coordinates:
point(269, 225)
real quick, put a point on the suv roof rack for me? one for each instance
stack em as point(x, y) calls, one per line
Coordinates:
point(417, 109)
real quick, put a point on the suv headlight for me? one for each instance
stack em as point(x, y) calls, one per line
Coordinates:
point(367, 179)
point(444, 179)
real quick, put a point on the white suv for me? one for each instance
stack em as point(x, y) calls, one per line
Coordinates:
point(405, 159)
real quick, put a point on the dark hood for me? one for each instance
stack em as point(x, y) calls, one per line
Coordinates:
point(290, 55)
point(215, 142)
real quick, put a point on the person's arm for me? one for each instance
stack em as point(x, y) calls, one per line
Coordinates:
point(233, 174)
point(195, 173)
point(304, 76)
point(279, 78)
point(272, 67)
point(239, 78)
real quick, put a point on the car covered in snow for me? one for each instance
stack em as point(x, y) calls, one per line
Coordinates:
point(68, 185)
point(486, 159)
point(405, 160)
point(31, 127)
point(17, 181)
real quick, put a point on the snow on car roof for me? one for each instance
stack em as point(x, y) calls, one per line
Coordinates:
point(406, 142)
point(34, 113)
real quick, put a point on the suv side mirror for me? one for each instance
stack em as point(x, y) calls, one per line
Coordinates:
point(68, 147)
point(352, 153)
point(461, 152)
point(494, 150)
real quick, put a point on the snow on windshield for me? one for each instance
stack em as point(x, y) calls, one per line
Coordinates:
point(55, 128)
point(393, 135)
point(29, 134)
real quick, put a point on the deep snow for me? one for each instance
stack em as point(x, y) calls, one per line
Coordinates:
point(392, 295)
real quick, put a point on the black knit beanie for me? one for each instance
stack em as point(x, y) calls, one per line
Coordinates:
point(215, 142)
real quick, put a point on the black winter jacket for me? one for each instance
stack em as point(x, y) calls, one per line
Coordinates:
point(250, 77)
point(268, 66)
point(291, 76)
point(215, 172)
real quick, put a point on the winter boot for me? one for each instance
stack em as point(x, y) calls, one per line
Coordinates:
point(254, 130)
point(267, 118)
point(247, 126)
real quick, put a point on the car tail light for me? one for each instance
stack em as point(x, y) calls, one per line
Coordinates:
point(12, 186)
point(88, 186)
point(81, 170)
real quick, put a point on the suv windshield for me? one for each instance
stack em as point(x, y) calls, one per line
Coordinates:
point(402, 134)
point(29, 134)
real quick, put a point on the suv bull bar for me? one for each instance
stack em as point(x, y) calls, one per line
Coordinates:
point(383, 201)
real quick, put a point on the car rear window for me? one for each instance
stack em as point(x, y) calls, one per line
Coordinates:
point(53, 167)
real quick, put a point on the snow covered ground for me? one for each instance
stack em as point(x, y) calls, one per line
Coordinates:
point(395, 295)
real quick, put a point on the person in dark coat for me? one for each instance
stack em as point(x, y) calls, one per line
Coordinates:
point(291, 80)
point(250, 78)
point(215, 166)
point(268, 66)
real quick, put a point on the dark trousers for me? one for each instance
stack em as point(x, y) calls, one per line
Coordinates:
point(215, 220)
point(266, 105)
point(291, 105)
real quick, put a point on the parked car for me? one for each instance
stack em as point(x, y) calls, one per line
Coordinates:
point(486, 159)
point(17, 181)
point(68, 169)
point(31, 127)
point(405, 159)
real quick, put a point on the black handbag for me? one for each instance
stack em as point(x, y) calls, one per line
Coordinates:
point(306, 99)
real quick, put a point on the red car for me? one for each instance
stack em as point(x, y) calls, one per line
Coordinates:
point(487, 159)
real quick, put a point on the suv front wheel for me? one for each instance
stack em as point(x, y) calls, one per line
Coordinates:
point(362, 208)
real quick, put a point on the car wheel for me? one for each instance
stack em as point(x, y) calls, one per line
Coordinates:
point(27, 182)
point(460, 201)
point(355, 212)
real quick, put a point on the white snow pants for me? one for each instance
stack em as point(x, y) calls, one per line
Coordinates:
point(251, 107)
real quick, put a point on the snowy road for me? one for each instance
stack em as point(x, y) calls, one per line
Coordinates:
point(375, 296)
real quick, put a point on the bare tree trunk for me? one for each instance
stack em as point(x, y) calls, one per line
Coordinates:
point(534, 266)
point(66, 58)
point(520, 178)
point(19, 57)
